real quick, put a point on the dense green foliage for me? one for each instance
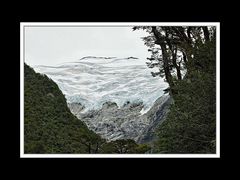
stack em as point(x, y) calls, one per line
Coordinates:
point(50, 127)
point(186, 57)
point(125, 146)
point(191, 123)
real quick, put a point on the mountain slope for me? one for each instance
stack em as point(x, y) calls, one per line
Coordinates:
point(49, 126)
point(112, 122)
point(91, 84)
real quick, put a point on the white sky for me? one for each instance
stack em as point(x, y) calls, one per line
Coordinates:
point(54, 45)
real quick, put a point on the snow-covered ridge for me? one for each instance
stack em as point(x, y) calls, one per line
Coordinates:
point(95, 57)
point(93, 81)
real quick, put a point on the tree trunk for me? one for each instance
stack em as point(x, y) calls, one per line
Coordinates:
point(184, 57)
point(97, 146)
point(174, 57)
point(167, 72)
point(177, 67)
point(89, 148)
point(160, 41)
point(206, 33)
point(189, 32)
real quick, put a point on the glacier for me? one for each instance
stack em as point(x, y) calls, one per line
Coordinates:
point(92, 81)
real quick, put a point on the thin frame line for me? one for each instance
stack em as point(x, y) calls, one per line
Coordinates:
point(217, 154)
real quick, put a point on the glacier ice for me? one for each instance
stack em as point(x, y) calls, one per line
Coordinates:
point(92, 81)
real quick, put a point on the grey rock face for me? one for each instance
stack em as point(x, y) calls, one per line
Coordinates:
point(75, 108)
point(107, 106)
point(156, 116)
point(112, 122)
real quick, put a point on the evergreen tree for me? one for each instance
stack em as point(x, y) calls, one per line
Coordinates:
point(186, 57)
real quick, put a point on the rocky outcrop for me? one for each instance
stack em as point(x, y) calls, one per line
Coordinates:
point(113, 122)
point(108, 106)
point(156, 116)
point(76, 108)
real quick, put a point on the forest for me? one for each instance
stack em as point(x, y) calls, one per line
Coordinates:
point(186, 57)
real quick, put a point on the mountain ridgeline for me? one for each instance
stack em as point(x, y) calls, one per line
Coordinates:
point(50, 127)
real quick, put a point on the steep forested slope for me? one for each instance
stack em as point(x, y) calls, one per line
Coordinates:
point(49, 126)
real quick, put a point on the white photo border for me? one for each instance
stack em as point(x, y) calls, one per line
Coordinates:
point(117, 24)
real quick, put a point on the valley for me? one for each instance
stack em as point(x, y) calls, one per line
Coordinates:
point(116, 97)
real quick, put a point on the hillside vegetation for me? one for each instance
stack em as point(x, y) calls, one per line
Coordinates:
point(50, 127)
point(190, 126)
point(186, 57)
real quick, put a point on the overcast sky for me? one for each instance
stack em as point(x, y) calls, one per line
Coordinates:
point(55, 45)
